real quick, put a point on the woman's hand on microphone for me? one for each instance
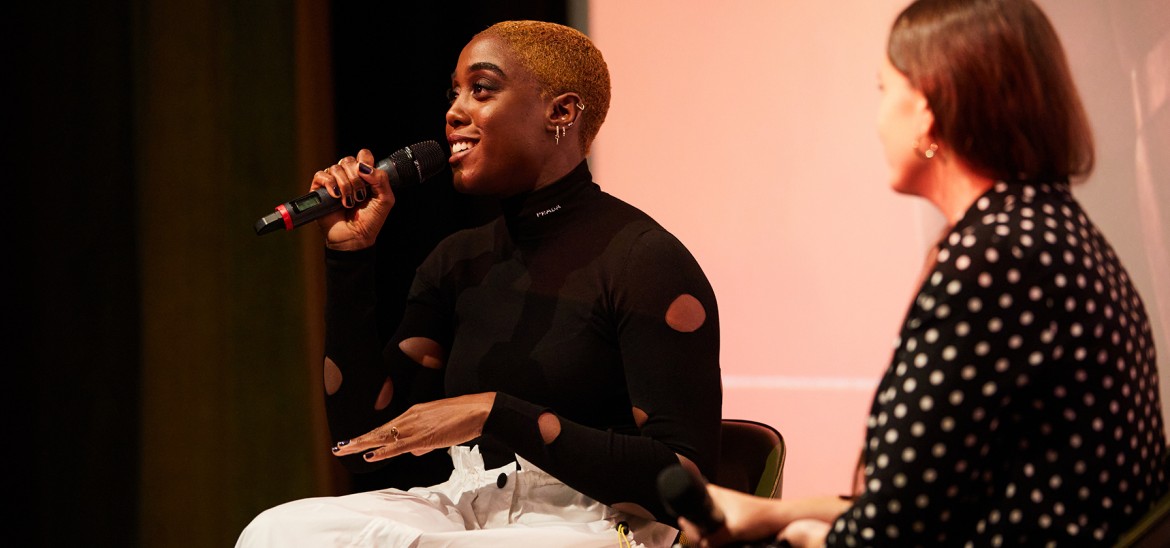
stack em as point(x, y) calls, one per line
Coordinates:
point(746, 518)
point(364, 192)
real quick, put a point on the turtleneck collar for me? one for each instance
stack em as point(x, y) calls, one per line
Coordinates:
point(532, 215)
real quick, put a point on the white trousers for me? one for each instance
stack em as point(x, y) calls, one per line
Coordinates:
point(475, 507)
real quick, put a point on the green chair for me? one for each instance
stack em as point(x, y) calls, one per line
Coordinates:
point(752, 458)
point(1153, 530)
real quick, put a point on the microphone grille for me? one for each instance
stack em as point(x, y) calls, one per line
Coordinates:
point(418, 162)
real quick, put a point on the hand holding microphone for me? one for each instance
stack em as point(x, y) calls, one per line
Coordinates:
point(404, 168)
point(684, 494)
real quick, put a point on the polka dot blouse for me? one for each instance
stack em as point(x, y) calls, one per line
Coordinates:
point(1021, 406)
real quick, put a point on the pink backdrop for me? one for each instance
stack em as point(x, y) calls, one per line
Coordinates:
point(747, 129)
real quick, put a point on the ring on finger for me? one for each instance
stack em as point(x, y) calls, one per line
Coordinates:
point(394, 432)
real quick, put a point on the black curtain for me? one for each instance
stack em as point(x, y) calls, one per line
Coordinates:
point(73, 363)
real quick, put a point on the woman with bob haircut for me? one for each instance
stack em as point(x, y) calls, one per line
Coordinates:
point(563, 354)
point(1021, 405)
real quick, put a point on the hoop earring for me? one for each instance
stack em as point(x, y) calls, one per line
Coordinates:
point(929, 152)
point(581, 106)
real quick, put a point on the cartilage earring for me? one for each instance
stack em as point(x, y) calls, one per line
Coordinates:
point(581, 106)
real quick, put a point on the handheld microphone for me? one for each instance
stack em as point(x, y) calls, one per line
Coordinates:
point(684, 494)
point(406, 167)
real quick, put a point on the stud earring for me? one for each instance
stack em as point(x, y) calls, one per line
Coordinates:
point(929, 152)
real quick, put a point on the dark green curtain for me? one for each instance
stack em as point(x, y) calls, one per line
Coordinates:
point(227, 429)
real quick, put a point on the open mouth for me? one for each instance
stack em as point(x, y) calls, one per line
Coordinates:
point(461, 148)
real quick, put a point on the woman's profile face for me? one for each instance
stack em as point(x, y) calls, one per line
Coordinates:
point(495, 125)
point(904, 117)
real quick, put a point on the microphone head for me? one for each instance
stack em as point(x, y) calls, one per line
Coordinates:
point(414, 164)
point(684, 494)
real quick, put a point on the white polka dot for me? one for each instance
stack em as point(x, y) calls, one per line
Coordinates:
point(956, 397)
point(939, 450)
point(937, 377)
point(926, 403)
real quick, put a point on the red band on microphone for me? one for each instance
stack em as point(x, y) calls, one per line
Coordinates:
point(284, 215)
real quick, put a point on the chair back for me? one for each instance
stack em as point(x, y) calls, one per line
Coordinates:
point(1153, 530)
point(752, 459)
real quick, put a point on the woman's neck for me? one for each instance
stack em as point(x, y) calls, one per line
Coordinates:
point(954, 187)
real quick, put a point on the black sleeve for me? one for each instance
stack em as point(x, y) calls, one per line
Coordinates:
point(672, 374)
point(352, 345)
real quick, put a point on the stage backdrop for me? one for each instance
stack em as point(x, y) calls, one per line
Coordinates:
point(747, 128)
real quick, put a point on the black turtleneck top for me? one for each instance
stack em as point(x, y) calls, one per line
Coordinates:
point(559, 305)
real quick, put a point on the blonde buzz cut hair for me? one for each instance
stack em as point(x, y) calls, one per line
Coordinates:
point(563, 60)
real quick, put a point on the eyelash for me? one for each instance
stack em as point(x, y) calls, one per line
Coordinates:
point(476, 89)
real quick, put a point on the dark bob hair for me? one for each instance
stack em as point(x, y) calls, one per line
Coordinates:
point(996, 78)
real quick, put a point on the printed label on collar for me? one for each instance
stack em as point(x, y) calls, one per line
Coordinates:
point(548, 211)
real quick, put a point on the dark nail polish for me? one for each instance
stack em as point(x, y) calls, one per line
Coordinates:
point(343, 443)
point(361, 194)
point(362, 167)
point(347, 201)
point(368, 456)
point(336, 449)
